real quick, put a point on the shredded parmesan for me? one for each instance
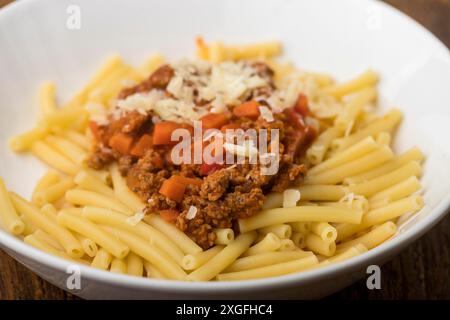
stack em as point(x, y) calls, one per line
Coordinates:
point(290, 198)
point(192, 212)
point(266, 113)
point(136, 218)
point(97, 113)
point(246, 150)
point(219, 85)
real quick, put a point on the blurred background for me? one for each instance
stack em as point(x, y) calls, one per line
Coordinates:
point(420, 272)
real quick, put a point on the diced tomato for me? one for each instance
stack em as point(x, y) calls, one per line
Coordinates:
point(206, 169)
point(302, 105)
point(233, 126)
point(142, 146)
point(163, 131)
point(169, 215)
point(295, 118)
point(173, 189)
point(94, 127)
point(249, 109)
point(121, 142)
point(188, 127)
point(213, 120)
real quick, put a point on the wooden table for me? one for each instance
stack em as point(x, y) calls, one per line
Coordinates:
point(420, 272)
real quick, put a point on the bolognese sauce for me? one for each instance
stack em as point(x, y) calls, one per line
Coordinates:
point(233, 95)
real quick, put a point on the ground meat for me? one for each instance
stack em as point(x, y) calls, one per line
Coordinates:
point(215, 185)
point(135, 121)
point(157, 80)
point(101, 157)
point(125, 164)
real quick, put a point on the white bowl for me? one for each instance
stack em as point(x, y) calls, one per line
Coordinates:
point(338, 37)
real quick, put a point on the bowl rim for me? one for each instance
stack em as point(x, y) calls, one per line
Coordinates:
point(384, 250)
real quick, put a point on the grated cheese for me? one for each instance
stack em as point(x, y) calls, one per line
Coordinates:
point(290, 198)
point(136, 218)
point(192, 212)
point(266, 113)
point(245, 150)
point(220, 85)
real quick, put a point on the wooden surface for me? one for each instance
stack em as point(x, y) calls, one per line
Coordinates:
point(420, 272)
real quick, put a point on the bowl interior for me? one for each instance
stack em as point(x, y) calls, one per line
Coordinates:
point(341, 39)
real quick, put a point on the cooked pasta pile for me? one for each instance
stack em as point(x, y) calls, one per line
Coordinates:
point(354, 193)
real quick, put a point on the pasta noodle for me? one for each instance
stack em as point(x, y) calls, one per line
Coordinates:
point(282, 231)
point(319, 246)
point(357, 151)
point(118, 266)
point(387, 123)
point(320, 146)
point(372, 238)
point(92, 231)
point(398, 191)
point(52, 157)
point(155, 256)
point(302, 214)
point(47, 100)
point(324, 230)
point(368, 78)
point(272, 270)
point(80, 140)
point(338, 174)
point(269, 243)
point(42, 245)
point(354, 107)
point(299, 239)
point(194, 261)
point(375, 185)
point(347, 254)
point(89, 246)
point(89, 198)
point(25, 140)
point(302, 227)
point(145, 231)
point(223, 259)
point(67, 148)
point(413, 154)
point(224, 236)
point(52, 193)
point(153, 272)
point(178, 237)
point(123, 193)
point(102, 259)
point(135, 265)
point(40, 220)
point(265, 259)
point(380, 215)
point(8, 215)
point(286, 245)
point(49, 178)
point(92, 183)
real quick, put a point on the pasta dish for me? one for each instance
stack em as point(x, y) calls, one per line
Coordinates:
point(230, 166)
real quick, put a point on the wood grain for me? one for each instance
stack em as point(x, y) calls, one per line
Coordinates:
point(420, 272)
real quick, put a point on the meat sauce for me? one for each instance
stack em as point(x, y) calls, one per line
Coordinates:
point(220, 193)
